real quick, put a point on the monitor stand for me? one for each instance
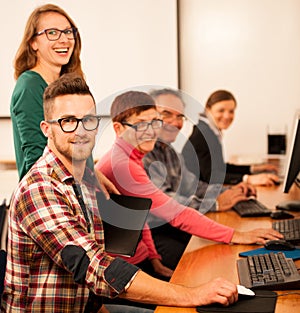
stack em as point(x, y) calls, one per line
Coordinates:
point(290, 205)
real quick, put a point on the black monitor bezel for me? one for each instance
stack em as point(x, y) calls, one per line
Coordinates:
point(293, 161)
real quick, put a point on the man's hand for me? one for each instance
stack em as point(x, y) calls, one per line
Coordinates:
point(229, 198)
point(246, 188)
point(218, 290)
point(233, 195)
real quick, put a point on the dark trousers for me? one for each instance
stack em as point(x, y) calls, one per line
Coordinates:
point(170, 243)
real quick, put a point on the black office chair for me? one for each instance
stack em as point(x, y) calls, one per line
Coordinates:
point(3, 255)
point(3, 208)
point(3, 224)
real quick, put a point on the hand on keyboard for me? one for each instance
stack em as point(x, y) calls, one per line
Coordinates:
point(259, 236)
point(230, 197)
point(247, 189)
point(237, 193)
point(252, 207)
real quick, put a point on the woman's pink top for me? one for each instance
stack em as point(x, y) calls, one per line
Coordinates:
point(124, 167)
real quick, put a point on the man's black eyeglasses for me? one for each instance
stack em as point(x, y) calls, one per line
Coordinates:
point(70, 124)
point(143, 126)
point(54, 33)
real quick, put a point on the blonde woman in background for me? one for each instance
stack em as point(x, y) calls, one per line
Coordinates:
point(50, 47)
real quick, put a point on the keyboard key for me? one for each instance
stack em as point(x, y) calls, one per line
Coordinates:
point(289, 228)
point(268, 271)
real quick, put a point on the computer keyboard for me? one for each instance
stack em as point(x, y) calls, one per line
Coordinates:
point(289, 228)
point(251, 208)
point(268, 271)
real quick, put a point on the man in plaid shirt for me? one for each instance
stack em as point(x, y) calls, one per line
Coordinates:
point(56, 254)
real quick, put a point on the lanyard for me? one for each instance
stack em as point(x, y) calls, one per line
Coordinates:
point(79, 196)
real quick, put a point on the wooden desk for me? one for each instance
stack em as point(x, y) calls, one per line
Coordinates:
point(204, 260)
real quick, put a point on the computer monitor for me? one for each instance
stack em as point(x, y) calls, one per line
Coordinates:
point(293, 164)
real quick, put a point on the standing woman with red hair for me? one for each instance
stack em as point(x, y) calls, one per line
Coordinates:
point(50, 47)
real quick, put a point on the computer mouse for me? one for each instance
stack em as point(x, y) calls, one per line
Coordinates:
point(243, 291)
point(292, 205)
point(279, 245)
point(281, 215)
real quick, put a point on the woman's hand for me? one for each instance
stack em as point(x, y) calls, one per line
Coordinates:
point(263, 179)
point(258, 168)
point(103, 309)
point(106, 185)
point(259, 236)
point(159, 268)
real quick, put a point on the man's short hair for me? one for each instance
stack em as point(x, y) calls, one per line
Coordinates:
point(67, 84)
point(154, 93)
point(129, 103)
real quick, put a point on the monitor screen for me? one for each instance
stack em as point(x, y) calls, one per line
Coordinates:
point(293, 164)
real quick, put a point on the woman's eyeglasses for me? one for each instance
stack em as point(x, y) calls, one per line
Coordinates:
point(143, 126)
point(54, 34)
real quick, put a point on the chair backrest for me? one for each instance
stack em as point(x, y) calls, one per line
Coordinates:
point(3, 255)
point(3, 236)
point(3, 224)
point(3, 208)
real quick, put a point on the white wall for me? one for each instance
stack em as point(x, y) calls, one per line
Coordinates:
point(250, 47)
point(124, 44)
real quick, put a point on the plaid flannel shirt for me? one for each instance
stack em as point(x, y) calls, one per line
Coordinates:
point(45, 218)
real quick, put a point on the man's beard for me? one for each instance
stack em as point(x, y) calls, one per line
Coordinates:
point(73, 152)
